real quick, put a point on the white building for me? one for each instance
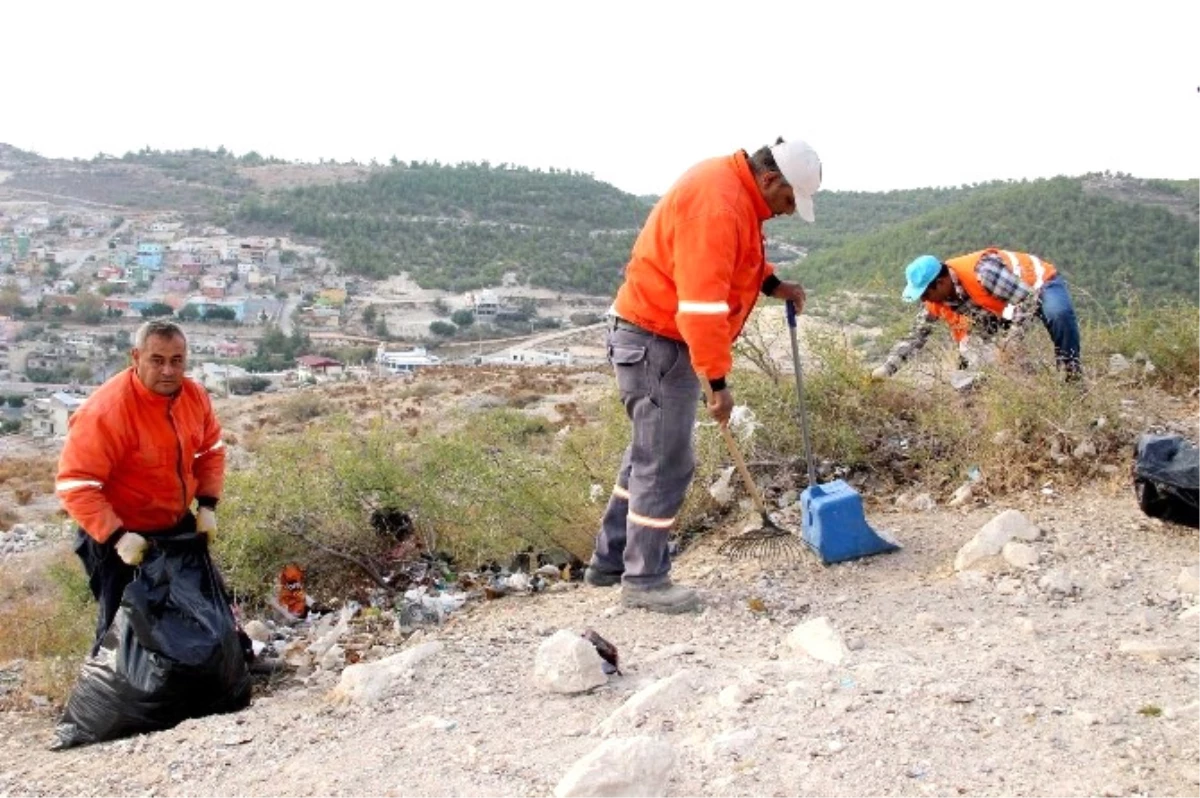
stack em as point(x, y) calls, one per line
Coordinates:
point(405, 361)
point(528, 357)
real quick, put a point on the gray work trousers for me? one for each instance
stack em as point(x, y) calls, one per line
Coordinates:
point(660, 392)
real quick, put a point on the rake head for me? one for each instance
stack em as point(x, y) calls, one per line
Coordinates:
point(768, 543)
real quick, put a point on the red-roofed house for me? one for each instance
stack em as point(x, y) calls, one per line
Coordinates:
point(315, 367)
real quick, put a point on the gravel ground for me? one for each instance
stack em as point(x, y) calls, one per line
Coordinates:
point(998, 681)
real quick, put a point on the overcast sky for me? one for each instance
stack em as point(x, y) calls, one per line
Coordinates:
point(891, 94)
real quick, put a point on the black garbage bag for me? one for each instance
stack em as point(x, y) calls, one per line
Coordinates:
point(171, 652)
point(1166, 478)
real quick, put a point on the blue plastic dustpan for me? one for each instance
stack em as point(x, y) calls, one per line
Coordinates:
point(834, 525)
point(832, 514)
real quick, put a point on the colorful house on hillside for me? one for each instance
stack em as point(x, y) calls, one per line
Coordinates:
point(150, 255)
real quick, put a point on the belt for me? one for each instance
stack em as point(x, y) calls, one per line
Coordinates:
point(618, 323)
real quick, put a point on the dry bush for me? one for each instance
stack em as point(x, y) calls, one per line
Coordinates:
point(302, 407)
point(23, 495)
point(46, 618)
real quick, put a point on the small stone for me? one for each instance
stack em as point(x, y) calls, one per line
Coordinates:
point(818, 639)
point(922, 503)
point(962, 495)
point(735, 695)
point(333, 659)
point(735, 743)
point(1008, 586)
point(1189, 580)
point(257, 630)
point(989, 541)
point(672, 651)
point(1155, 652)
point(568, 663)
point(1057, 583)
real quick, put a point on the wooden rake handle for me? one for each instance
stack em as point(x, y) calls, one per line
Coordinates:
point(736, 453)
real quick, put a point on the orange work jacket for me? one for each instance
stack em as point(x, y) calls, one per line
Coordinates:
point(699, 262)
point(136, 459)
point(1033, 271)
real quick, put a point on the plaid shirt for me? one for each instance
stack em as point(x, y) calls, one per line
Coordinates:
point(997, 280)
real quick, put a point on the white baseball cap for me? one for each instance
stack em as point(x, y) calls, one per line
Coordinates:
point(800, 166)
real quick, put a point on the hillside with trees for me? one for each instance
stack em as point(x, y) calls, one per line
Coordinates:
point(465, 226)
point(1108, 244)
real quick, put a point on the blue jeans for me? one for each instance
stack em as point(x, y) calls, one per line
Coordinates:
point(1058, 314)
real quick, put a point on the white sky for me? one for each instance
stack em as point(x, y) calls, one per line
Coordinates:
point(891, 94)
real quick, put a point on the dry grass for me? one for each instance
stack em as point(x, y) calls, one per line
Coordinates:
point(46, 619)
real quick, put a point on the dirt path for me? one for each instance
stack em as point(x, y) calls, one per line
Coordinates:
point(990, 683)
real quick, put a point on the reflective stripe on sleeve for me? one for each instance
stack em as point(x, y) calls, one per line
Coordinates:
point(75, 484)
point(703, 308)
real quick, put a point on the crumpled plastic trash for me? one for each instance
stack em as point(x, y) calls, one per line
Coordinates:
point(421, 607)
point(743, 423)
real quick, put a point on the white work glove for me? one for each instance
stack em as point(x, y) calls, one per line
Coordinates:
point(206, 522)
point(881, 373)
point(131, 548)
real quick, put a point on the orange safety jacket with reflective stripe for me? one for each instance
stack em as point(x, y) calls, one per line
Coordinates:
point(1033, 271)
point(699, 262)
point(135, 459)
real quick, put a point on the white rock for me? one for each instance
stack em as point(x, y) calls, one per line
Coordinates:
point(433, 722)
point(735, 695)
point(962, 380)
point(326, 640)
point(567, 663)
point(333, 659)
point(257, 630)
point(671, 651)
point(922, 503)
point(662, 696)
point(818, 639)
point(1017, 525)
point(1118, 364)
point(736, 743)
point(1008, 586)
point(990, 539)
point(367, 683)
point(1155, 652)
point(1189, 710)
point(1189, 580)
point(961, 496)
point(635, 766)
point(1020, 555)
point(1058, 583)
point(1084, 449)
point(296, 654)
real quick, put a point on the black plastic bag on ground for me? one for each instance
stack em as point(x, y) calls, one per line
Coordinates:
point(1166, 478)
point(171, 652)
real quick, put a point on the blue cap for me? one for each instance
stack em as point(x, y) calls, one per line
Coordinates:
point(920, 273)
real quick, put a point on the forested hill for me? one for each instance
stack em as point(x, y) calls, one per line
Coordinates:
point(464, 226)
point(1108, 235)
